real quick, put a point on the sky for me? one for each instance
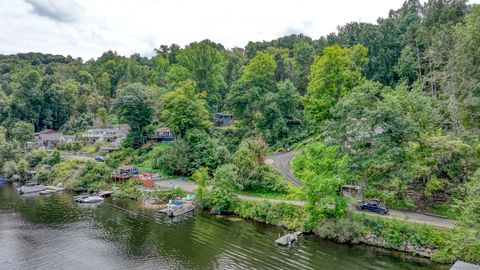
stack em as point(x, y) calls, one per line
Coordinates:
point(87, 28)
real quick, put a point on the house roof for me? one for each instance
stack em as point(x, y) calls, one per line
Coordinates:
point(222, 115)
point(163, 129)
point(51, 137)
point(47, 131)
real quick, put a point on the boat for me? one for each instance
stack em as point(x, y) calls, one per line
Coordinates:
point(178, 207)
point(88, 199)
point(30, 187)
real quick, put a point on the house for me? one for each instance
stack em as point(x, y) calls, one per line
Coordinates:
point(221, 119)
point(114, 135)
point(163, 134)
point(117, 133)
point(48, 138)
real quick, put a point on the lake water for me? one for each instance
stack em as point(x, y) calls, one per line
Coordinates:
point(53, 232)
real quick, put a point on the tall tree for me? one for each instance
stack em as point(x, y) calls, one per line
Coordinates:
point(184, 109)
point(332, 75)
point(133, 107)
point(205, 61)
point(258, 78)
point(23, 132)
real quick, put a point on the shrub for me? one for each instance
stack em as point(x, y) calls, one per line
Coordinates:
point(70, 146)
point(92, 174)
point(343, 230)
point(290, 216)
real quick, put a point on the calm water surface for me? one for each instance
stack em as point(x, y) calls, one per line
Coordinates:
point(53, 232)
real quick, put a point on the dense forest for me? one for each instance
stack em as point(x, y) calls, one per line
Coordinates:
point(393, 106)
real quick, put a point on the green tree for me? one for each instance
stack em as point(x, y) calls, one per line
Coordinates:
point(376, 127)
point(465, 238)
point(206, 63)
point(332, 75)
point(23, 132)
point(183, 109)
point(323, 170)
point(258, 78)
point(253, 173)
point(224, 185)
point(102, 116)
point(133, 107)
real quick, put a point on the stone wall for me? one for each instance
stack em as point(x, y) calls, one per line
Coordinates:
point(419, 250)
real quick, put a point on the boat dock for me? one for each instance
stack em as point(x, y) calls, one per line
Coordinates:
point(51, 189)
point(287, 239)
point(106, 193)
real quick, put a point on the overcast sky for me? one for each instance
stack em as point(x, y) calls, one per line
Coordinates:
point(86, 28)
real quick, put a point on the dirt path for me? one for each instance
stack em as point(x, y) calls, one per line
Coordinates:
point(281, 162)
point(190, 186)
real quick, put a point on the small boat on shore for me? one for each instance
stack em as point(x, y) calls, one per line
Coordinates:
point(30, 187)
point(178, 207)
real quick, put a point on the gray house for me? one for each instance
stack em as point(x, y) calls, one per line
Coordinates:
point(222, 119)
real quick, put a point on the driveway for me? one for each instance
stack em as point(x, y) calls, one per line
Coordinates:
point(281, 162)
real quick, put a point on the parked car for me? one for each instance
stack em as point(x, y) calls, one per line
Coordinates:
point(100, 158)
point(374, 206)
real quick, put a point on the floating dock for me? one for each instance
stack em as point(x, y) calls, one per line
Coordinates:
point(106, 193)
point(51, 189)
point(287, 239)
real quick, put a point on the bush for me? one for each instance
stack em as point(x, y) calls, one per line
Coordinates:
point(70, 146)
point(36, 157)
point(343, 230)
point(254, 175)
point(169, 194)
point(290, 216)
point(397, 232)
point(197, 149)
point(93, 174)
point(65, 170)
point(129, 189)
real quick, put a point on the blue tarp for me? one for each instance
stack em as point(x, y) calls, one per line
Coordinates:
point(177, 203)
point(3, 179)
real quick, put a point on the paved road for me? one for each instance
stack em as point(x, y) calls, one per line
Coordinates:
point(190, 186)
point(77, 156)
point(281, 162)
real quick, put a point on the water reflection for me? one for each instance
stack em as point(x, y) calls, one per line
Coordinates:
point(53, 232)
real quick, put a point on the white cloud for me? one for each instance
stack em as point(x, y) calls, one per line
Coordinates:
point(89, 27)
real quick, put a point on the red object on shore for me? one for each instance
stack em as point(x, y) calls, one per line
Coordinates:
point(147, 180)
